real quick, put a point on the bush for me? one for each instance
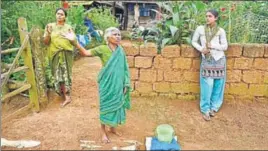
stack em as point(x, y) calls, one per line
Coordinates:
point(126, 35)
point(244, 22)
point(102, 18)
point(37, 13)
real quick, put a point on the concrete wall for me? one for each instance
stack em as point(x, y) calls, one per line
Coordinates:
point(175, 72)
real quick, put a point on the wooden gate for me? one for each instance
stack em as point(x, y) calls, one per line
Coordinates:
point(31, 51)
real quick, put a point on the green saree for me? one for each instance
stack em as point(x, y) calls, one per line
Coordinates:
point(112, 79)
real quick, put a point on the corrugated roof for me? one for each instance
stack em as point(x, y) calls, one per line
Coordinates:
point(130, 1)
point(80, 2)
point(118, 4)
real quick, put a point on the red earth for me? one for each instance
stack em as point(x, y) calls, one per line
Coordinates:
point(240, 124)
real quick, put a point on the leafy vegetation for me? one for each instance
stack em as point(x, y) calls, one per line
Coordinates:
point(76, 16)
point(102, 18)
point(37, 13)
point(179, 20)
point(244, 22)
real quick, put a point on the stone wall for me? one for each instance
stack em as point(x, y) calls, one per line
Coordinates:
point(175, 72)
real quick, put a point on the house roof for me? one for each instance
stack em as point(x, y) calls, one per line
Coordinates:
point(135, 1)
point(118, 4)
point(80, 2)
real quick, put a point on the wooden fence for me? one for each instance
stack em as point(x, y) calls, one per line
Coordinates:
point(32, 53)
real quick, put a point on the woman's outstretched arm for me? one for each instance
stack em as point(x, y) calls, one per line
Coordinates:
point(71, 36)
point(83, 51)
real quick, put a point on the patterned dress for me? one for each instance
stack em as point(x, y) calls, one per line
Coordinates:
point(59, 60)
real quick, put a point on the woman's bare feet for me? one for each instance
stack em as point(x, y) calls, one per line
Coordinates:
point(67, 101)
point(112, 130)
point(105, 139)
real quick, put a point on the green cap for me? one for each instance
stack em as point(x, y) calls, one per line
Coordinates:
point(164, 133)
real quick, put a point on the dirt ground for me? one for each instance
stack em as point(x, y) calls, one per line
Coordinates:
point(239, 125)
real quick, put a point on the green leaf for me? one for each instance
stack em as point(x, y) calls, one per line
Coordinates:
point(164, 42)
point(167, 6)
point(8, 31)
point(176, 18)
point(200, 6)
point(173, 30)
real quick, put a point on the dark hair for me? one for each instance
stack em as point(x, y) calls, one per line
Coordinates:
point(65, 13)
point(214, 12)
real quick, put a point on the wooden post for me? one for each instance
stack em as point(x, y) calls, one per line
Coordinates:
point(9, 50)
point(125, 15)
point(39, 64)
point(27, 57)
point(113, 10)
point(3, 75)
point(17, 91)
point(4, 91)
point(23, 46)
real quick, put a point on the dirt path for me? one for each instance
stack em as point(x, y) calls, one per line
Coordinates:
point(237, 125)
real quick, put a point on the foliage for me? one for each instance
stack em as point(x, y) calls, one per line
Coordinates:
point(179, 21)
point(76, 16)
point(136, 32)
point(183, 18)
point(258, 7)
point(244, 22)
point(37, 13)
point(126, 35)
point(102, 18)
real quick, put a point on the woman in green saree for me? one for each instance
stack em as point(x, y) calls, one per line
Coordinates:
point(113, 81)
point(60, 55)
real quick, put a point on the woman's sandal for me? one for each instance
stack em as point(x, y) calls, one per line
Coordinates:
point(206, 117)
point(212, 113)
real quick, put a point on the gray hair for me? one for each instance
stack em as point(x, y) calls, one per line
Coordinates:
point(108, 32)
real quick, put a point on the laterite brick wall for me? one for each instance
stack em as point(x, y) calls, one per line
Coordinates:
point(175, 72)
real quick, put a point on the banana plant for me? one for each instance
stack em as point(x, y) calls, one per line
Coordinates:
point(180, 20)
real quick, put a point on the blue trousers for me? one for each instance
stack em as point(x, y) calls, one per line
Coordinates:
point(211, 93)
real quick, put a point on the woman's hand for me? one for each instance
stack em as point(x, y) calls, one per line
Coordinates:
point(49, 29)
point(209, 46)
point(205, 51)
point(69, 35)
